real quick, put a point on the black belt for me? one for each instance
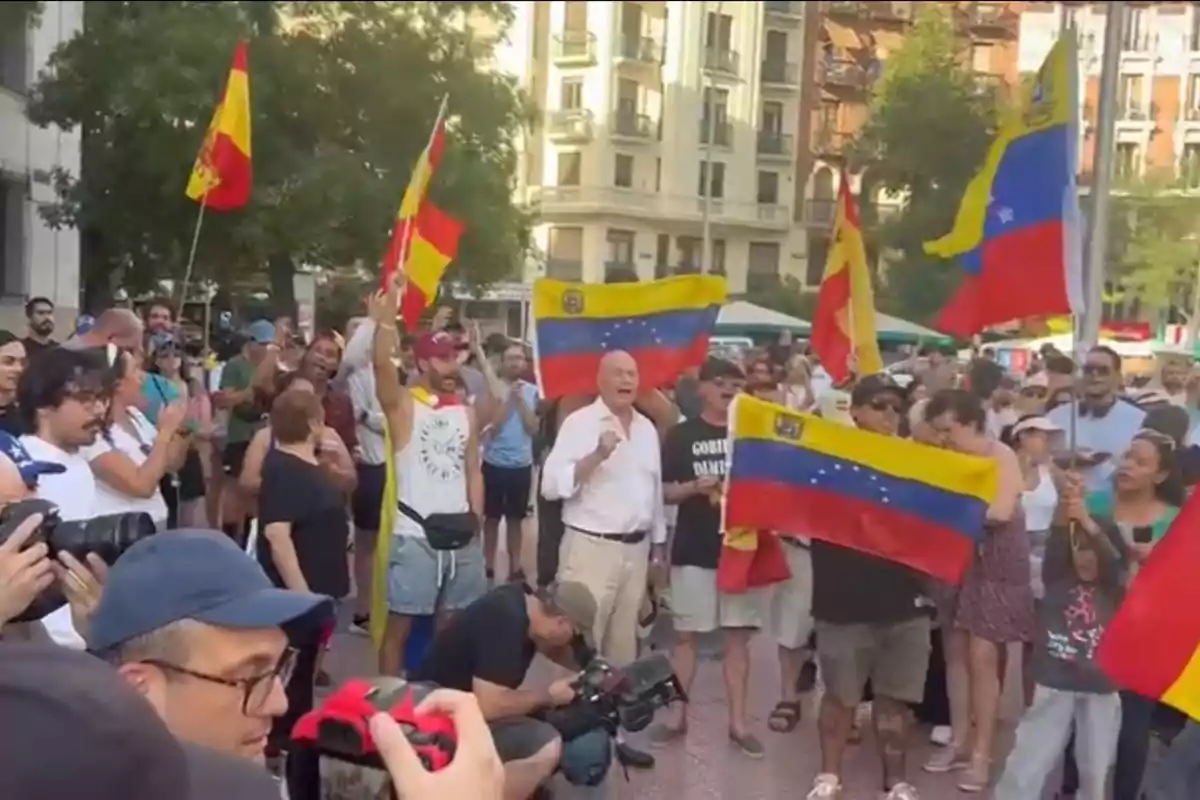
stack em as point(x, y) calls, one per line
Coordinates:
point(620, 538)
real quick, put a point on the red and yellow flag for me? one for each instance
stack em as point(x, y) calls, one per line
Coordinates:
point(750, 559)
point(844, 324)
point(424, 238)
point(222, 174)
point(1152, 645)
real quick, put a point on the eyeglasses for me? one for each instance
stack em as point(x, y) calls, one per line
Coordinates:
point(885, 405)
point(256, 690)
point(1099, 370)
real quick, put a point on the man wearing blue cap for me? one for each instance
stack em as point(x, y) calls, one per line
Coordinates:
point(195, 625)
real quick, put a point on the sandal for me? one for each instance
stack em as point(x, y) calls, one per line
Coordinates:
point(784, 717)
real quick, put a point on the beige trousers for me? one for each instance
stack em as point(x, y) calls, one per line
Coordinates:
point(616, 575)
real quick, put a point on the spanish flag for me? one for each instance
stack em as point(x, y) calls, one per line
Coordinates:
point(1152, 645)
point(750, 559)
point(424, 239)
point(222, 174)
point(844, 324)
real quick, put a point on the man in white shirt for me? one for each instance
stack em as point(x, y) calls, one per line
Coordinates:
point(606, 468)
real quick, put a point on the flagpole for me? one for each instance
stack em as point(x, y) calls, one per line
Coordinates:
point(187, 273)
point(706, 98)
point(406, 237)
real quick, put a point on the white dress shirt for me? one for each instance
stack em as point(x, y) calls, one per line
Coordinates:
point(623, 494)
point(359, 373)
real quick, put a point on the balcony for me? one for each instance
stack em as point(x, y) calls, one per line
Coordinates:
point(620, 272)
point(1191, 114)
point(845, 9)
point(639, 50)
point(721, 60)
point(774, 214)
point(784, 12)
point(574, 49)
point(890, 12)
point(569, 200)
point(632, 126)
point(820, 213)
point(1138, 42)
point(570, 125)
point(831, 144)
point(989, 19)
point(564, 269)
point(841, 73)
point(780, 75)
point(1137, 112)
point(775, 145)
point(722, 133)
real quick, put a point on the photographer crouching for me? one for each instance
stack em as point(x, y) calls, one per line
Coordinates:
point(487, 650)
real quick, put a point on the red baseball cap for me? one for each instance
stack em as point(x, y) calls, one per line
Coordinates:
point(438, 344)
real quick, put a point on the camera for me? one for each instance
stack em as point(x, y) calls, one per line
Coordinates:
point(108, 537)
point(609, 697)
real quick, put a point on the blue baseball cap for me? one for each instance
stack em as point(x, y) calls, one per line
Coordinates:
point(261, 331)
point(193, 574)
point(30, 468)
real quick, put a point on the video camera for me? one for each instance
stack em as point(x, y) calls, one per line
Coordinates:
point(108, 537)
point(609, 697)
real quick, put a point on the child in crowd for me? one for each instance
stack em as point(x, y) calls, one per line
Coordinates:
point(1083, 572)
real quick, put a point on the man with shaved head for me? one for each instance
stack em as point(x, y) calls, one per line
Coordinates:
point(606, 468)
point(118, 326)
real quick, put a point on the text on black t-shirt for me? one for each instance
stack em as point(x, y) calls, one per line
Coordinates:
point(696, 449)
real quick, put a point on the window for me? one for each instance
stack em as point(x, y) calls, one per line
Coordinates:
point(627, 96)
point(1191, 108)
point(981, 58)
point(658, 174)
point(662, 256)
point(1194, 37)
point(762, 269)
point(716, 101)
point(623, 171)
point(565, 259)
point(631, 21)
point(718, 179)
point(572, 94)
point(620, 247)
point(691, 249)
point(14, 52)
point(575, 15)
point(718, 257)
point(768, 187)
point(775, 50)
point(1129, 161)
point(719, 32)
point(1129, 95)
point(771, 120)
point(1189, 165)
point(570, 169)
point(1136, 32)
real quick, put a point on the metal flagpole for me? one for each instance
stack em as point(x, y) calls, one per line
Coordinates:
point(191, 262)
point(1102, 172)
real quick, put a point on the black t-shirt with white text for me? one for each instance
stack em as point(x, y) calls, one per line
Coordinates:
point(488, 640)
point(696, 449)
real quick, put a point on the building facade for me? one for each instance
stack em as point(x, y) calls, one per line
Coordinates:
point(660, 121)
point(35, 259)
point(848, 45)
point(1158, 89)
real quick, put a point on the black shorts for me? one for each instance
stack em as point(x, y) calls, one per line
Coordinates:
point(368, 496)
point(233, 457)
point(506, 491)
point(519, 738)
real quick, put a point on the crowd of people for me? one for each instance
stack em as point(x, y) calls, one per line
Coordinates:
point(265, 472)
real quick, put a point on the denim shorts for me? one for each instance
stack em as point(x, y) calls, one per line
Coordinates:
point(422, 581)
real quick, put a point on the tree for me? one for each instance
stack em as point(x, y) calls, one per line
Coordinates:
point(928, 132)
point(1158, 247)
point(787, 296)
point(343, 98)
point(18, 14)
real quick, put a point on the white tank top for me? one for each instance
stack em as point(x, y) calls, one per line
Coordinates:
point(1040, 501)
point(431, 470)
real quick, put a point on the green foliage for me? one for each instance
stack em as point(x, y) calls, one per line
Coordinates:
point(343, 98)
point(787, 296)
point(1157, 247)
point(19, 14)
point(928, 132)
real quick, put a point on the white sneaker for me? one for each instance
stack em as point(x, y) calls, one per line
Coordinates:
point(941, 735)
point(825, 786)
point(902, 791)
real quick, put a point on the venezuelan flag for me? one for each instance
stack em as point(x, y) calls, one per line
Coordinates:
point(663, 324)
point(920, 506)
point(1152, 645)
point(1017, 234)
point(844, 325)
point(222, 173)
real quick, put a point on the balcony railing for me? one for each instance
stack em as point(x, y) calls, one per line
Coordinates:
point(1137, 112)
point(894, 11)
point(845, 8)
point(632, 125)
point(819, 213)
point(831, 143)
point(774, 213)
point(780, 73)
point(1138, 41)
point(774, 144)
point(722, 133)
point(620, 272)
point(721, 59)
point(570, 123)
point(564, 269)
point(783, 8)
point(642, 49)
point(1191, 114)
point(842, 72)
point(989, 17)
point(574, 47)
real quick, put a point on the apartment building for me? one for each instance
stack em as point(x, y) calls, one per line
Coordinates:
point(661, 120)
point(34, 258)
point(848, 46)
point(1158, 89)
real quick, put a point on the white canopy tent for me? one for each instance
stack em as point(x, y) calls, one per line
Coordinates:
point(744, 315)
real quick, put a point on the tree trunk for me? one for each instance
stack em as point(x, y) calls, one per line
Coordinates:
point(280, 269)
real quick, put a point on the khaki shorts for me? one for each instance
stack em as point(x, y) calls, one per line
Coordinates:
point(894, 657)
point(791, 601)
point(697, 606)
